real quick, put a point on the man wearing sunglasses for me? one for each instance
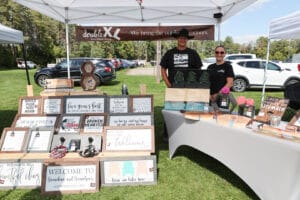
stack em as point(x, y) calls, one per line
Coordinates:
point(179, 57)
point(221, 75)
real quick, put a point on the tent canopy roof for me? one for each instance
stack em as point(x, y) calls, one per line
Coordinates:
point(9, 35)
point(142, 12)
point(287, 27)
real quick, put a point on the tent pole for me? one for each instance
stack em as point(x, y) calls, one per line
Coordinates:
point(158, 57)
point(219, 31)
point(265, 75)
point(29, 86)
point(67, 42)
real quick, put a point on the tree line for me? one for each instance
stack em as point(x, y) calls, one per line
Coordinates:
point(45, 41)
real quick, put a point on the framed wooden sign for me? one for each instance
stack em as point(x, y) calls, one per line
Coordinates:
point(295, 121)
point(139, 170)
point(29, 105)
point(73, 176)
point(14, 139)
point(93, 123)
point(130, 138)
point(118, 104)
point(52, 105)
point(272, 106)
point(85, 104)
point(141, 104)
point(69, 123)
point(131, 119)
point(47, 121)
point(40, 140)
point(20, 174)
point(76, 142)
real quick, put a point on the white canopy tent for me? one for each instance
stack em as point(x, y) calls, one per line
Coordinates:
point(287, 27)
point(137, 12)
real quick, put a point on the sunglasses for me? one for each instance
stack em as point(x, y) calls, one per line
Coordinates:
point(219, 52)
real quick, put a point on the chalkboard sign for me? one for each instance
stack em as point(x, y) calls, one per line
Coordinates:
point(40, 140)
point(70, 176)
point(272, 106)
point(14, 139)
point(188, 78)
point(69, 123)
point(48, 121)
point(75, 142)
point(118, 104)
point(93, 123)
point(20, 174)
point(30, 105)
point(131, 119)
point(52, 105)
point(134, 138)
point(140, 170)
point(84, 104)
point(141, 104)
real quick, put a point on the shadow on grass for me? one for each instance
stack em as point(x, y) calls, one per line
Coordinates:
point(6, 118)
point(216, 167)
point(35, 194)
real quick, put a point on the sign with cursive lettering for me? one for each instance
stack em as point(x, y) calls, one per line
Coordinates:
point(141, 103)
point(14, 139)
point(52, 105)
point(70, 176)
point(24, 174)
point(47, 121)
point(130, 138)
point(130, 119)
point(93, 123)
point(138, 170)
point(118, 104)
point(85, 104)
point(29, 105)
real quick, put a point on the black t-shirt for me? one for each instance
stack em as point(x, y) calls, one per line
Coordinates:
point(218, 75)
point(181, 58)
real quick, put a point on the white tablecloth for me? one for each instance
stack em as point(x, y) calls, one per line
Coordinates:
point(269, 165)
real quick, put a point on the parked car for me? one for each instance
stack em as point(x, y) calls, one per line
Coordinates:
point(105, 70)
point(127, 64)
point(30, 64)
point(239, 56)
point(249, 73)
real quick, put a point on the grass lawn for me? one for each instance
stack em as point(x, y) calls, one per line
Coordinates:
point(189, 175)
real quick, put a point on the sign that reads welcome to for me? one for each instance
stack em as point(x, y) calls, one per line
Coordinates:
point(104, 33)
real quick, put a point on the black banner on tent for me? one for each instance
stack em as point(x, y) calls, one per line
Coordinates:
point(109, 33)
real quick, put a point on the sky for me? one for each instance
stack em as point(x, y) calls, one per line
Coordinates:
point(254, 21)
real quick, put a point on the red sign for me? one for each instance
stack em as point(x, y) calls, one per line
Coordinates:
point(108, 33)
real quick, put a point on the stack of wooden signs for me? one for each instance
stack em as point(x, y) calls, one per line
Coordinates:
point(74, 144)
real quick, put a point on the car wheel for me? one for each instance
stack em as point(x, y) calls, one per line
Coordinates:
point(41, 80)
point(239, 85)
point(291, 81)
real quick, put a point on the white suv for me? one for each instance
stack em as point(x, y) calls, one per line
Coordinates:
point(249, 73)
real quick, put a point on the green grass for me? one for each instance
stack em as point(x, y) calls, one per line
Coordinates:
point(189, 175)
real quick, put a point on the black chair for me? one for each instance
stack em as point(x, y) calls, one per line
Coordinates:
point(292, 92)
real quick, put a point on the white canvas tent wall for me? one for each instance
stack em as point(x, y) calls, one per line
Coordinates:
point(287, 27)
point(137, 12)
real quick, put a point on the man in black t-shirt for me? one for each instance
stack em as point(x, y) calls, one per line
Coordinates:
point(179, 57)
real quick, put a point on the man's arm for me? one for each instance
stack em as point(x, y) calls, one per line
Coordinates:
point(165, 77)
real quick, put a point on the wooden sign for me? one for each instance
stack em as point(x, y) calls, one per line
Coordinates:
point(118, 104)
point(141, 104)
point(272, 106)
point(93, 123)
point(48, 121)
point(85, 104)
point(137, 138)
point(171, 105)
point(52, 105)
point(139, 170)
point(20, 174)
point(70, 176)
point(76, 142)
point(187, 95)
point(14, 139)
point(59, 83)
point(295, 121)
point(69, 123)
point(40, 140)
point(131, 119)
point(29, 105)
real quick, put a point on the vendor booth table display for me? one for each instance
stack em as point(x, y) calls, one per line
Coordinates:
point(264, 154)
point(74, 141)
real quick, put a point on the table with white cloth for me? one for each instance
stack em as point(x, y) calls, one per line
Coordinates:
point(269, 165)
